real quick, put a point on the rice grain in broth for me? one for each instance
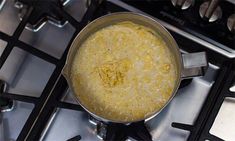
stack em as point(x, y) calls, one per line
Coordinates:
point(124, 72)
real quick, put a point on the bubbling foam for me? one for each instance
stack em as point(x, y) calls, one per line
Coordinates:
point(124, 72)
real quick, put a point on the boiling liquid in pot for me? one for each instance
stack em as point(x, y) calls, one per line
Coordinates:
point(124, 72)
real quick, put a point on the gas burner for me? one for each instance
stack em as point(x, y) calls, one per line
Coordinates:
point(116, 131)
point(2, 2)
point(43, 11)
point(5, 104)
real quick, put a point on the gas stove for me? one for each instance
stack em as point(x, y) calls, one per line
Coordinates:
point(37, 104)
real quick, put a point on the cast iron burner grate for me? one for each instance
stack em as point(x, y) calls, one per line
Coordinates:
point(44, 10)
point(136, 131)
point(116, 131)
point(200, 130)
point(49, 101)
point(120, 132)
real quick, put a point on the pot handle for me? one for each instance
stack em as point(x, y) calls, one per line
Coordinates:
point(194, 64)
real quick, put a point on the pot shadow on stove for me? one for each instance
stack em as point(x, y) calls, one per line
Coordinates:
point(156, 122)
point(185, 83)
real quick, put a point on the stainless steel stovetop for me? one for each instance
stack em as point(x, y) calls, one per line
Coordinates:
point(27, 75)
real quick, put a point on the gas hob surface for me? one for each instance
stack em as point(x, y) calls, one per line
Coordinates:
point(44, 107)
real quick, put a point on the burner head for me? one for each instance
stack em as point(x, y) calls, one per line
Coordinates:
point(43, 11)
point(6, 105)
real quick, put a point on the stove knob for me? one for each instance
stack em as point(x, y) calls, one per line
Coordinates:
point(210, 10)
point(182, 4)
point(231, 23)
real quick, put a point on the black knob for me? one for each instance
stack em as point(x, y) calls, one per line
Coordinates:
point(231, 23)
point(182, 4)
point(210, 10)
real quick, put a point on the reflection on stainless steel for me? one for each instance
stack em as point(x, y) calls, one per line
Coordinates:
point(8, 23)
point(33, 72)
point(2, 133)
point(231, 23)
point(65, 2)
point(224, 124)
point(93, 120)
point(41, 22)
point(68, 124)
point(51, 119)
point(210, 10)
point(65, 124)
point(2, 2)
point(195, 64)
point(231, 1)
point(100, 127)
point(101, 130)
point(221, 49)
point(182, 104)
point(6, 105)
point(15, 120)
point(232, 88)
point(183, 4)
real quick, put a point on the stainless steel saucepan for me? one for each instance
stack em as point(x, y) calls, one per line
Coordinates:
point(187, 65)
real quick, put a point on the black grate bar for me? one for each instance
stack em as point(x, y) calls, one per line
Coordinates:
point(212, 138)
point(212, 104)
point(37, 52)
point(19, 97)
point(22, 24)
point(182, 126)
point(31, 121)
point(6, 53)
point(76, 138)
point(15, 37)
point(217, 105)
point(34, 125)
point(70, 19)
point(71, 106)
point(232, 96)
point(205, 112)
point(31, 129)
point(86, 18)
point(90, 12)
point(43, 99)
point(49, 108)
point(4, 36)
point(31, 49)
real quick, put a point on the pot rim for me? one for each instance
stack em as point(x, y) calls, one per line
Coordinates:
point(66, 69)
